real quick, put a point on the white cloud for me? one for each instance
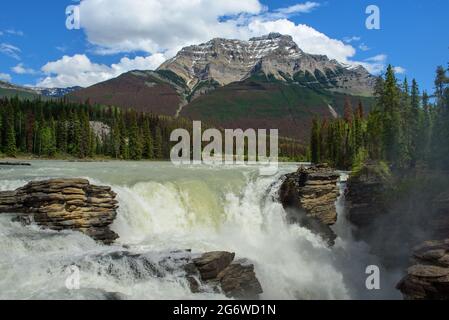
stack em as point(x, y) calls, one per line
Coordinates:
point(10, 50)
point(364, 47)
point(14, 32)
point(79, 70)
point(399, 70)
point(167, 26)
point(5, 77)
point(160, 25)
point(352, 39)
point(61, 48)
point(378, 58)
point(375, 64)
point(294, 10)
point(21, 69)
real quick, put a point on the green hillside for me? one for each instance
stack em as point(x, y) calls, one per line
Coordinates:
point(267, 103)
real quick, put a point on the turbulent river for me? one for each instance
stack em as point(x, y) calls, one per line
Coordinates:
point(165, 209)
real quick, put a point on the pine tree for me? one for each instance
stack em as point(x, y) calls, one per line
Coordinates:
point(360, 110)
point(135, 144)
point(62, 134)
point(439, 153)
point(10, 134)
point(158, 144)
point(115, 140)
point(148, 151)
point(417, 143)
point(315, 143)
point(440, 81)
point(394, 139)
point(348, 111)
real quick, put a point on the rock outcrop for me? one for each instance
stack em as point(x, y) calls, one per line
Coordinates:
point(428, 278)
point(65, 204)
point(236, 279)
point(309, 196)
point(440, 220)
point(365, 194)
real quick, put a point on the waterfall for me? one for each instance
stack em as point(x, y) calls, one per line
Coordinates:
point(162, 214)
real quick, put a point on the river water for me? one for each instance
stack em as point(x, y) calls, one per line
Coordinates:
point(165, 210)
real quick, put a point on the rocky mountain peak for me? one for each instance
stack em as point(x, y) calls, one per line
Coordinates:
point(277, 56)
point(272, 36)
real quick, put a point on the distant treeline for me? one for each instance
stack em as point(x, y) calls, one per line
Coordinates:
point(57, 129)
point(406, 128)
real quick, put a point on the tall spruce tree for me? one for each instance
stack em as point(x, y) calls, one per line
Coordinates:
point(148, 148)
point(135, 143)
point(10, 134)
point(315, 143)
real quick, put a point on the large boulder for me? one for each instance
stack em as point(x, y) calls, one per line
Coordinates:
point(365, 194)
point(428, 277)
point(239, 280)
point(65, 204)
point(309, 197)
point(236, 279)
point(211, 264)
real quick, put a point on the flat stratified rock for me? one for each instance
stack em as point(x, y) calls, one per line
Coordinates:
point(309, 195)
point(65, 204)
point(428, 277)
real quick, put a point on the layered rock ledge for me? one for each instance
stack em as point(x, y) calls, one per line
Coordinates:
point(236, 279)
point(309, 196)
point(65, 204)
point(365, 194)
point(428, 277)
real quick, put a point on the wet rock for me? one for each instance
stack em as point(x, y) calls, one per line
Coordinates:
point(215, 272)
point(309, 196)
point(15, 163)
point(428, 277)
point(239, 281)
point(212, 263)
point(365, 194)
point(236, 279)
point(65, 204)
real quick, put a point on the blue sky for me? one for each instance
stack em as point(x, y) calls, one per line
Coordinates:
point(125, 35)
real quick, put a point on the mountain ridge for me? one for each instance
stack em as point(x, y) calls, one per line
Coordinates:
point(226, 61)
point(10, 89)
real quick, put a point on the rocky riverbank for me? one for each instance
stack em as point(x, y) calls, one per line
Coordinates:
point(309, 196)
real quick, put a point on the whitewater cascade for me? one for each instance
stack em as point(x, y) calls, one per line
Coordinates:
point(163, 212)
